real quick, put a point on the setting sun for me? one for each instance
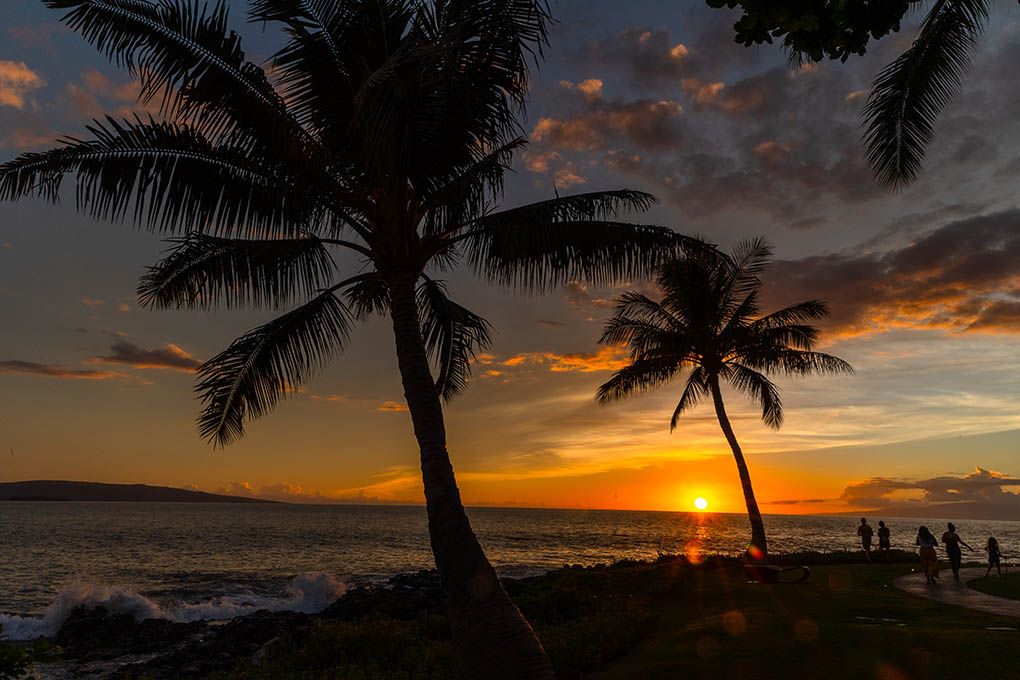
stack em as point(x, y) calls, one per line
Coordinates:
point(700, 503)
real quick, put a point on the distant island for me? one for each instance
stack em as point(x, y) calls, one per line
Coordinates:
point(50, 490)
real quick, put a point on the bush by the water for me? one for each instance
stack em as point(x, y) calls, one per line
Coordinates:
point(18, 661)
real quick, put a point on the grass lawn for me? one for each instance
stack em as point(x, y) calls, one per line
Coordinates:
point(845, 622)
point(1007, 586)
point(669, 620)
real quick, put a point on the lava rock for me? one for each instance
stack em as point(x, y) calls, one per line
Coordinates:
point(404, 597)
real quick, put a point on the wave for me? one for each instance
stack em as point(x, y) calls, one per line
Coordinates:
point(306, 593)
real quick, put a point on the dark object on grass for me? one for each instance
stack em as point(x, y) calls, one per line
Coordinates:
point(767, 573)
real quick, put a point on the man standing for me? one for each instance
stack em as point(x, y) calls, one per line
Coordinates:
point(884, 544)
point(952, 541)
point(865, 532)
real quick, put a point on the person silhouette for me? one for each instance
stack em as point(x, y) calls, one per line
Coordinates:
point(865, 532)
point(993, 556)
point(929, 559)
point(884, 544)
point(952, 541)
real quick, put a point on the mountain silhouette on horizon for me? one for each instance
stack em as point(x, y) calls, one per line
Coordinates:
point(58, 490)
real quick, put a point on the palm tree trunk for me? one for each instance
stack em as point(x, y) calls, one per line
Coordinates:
point(758, 550)
point(492, 640)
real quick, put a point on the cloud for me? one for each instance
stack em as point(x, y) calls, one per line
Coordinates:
point(169, 357)
point(96, 95)
point(579, 297)
point(391, 406)
point(15, 367)
point(590, 89)
point(16, 82)
point(982, 494)
point(962, 277)
point(646, 123)
point(610, 358)
point(797, 501)
point(552, 324)
point(92, 302)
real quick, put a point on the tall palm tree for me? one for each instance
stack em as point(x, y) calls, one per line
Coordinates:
point(382, 129)
point(908, 94)
point(708, 324)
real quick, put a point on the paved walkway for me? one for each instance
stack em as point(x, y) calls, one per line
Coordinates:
point(951, 591)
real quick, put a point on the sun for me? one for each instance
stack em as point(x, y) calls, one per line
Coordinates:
point(700, 503)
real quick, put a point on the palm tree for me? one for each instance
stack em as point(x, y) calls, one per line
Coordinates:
point(708, 323)
point(383, 130)
point(908, 94)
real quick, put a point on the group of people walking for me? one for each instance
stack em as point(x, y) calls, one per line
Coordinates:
point(927, 543)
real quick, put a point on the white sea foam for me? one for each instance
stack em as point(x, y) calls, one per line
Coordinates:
point(306, 593)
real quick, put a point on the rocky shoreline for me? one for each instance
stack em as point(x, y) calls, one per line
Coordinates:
point(100, 644)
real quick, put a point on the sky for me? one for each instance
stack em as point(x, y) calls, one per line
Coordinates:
point(923, 285)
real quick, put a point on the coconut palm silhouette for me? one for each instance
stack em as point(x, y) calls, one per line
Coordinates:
point(383, 130)
point(708, 324)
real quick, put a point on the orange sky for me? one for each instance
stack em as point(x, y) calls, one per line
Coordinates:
point(923, 288)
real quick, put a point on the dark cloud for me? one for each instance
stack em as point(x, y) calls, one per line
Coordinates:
point(981, 494)
point(964, 276)
point(582, 300)
point(647, 124)
point(170, 357)
point(553, 324)
point(797, 501)
point(52, 371)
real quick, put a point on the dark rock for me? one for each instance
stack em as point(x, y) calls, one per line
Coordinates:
point(98, 634)
point(404, 597)
point(223, 647)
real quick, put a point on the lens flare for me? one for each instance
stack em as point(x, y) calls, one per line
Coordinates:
point(700, 503)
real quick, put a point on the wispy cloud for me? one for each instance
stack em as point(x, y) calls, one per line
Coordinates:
point(610, 358)
point(168, 357)
point(52, 371)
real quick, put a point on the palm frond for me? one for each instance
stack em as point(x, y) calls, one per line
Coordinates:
point(451, 202)
point(184, 53)
point(760, 389)
point(368, 296)
point(452, 334)
point(317, 68)
point(642, 375)
point(639, 335)
point(908, 94)
point(697, 388)
point(795, 362)
point(248, 378)
point(204, 271)
point(809, 310)
point(750, 258)
point(542, 246)
point(170, 178)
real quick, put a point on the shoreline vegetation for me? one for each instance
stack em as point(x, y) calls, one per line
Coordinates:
point(676, 614)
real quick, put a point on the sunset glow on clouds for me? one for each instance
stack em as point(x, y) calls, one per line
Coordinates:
point(923, 286)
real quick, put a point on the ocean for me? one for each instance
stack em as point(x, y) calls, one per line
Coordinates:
point(193, 561)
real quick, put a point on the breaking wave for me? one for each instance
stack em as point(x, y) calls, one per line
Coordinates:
point(307, 593)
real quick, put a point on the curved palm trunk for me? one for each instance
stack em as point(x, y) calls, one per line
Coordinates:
point(491, 638)
point(753, 514)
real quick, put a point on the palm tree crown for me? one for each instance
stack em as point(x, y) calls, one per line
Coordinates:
point(708, 324)
point(383, 130)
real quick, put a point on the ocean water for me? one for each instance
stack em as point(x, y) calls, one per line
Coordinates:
point(187, 562)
